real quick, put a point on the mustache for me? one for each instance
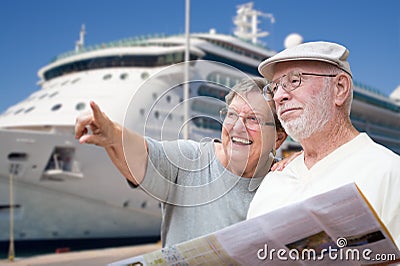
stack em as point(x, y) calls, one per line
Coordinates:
point(286, 106)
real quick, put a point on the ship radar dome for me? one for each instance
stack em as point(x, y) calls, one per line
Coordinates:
point(292, 40)
point(395, 95)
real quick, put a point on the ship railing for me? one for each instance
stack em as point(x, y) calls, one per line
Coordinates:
point(374, 96)
point(135, 41)
point(368, 88)
point(376, 129)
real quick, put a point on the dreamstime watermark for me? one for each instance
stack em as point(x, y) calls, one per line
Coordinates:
point(336, 252)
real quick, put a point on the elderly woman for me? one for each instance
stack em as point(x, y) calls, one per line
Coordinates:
point(203, 186)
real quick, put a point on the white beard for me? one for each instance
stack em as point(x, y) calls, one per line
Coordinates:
point(316, 114)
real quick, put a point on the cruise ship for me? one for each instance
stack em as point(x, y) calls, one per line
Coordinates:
point(54, 190)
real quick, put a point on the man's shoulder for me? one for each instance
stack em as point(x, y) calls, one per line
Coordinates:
point(379, 152)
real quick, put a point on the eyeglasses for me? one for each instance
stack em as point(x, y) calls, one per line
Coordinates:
point(252, 122)
point(289, 83)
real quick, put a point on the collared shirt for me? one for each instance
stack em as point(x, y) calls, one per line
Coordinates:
point(374, 168)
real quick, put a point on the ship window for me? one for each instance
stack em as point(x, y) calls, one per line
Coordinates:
point(154, 96)
point(5, 211)
point(19, 111)
point(157, 114)
point(56, 107)
point(80, 106)
point(107, 76)
point(207, 123)
point(212, 91)
point(17, 156)
point(29, 109)
point(144, 75)
point(169, 59)
point(53, 94)
point(123, 76)
point(141, 112)
point(65, 82)
point(170, 116)
point(62, 165)
point(61, 159)
point(161, 61)
point(178, 57)
point(42, 96)
point(220, 78)
point(168, 98)
point(116, 61)
point(75, 80)
point(207, 107)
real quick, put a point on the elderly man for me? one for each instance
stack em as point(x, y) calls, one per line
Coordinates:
point(312, 88)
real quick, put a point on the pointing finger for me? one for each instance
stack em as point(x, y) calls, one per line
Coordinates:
point(97, 113)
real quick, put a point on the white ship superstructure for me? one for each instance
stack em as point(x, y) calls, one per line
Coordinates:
point(64, 190)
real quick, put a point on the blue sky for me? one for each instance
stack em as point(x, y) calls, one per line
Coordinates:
point(35, 31)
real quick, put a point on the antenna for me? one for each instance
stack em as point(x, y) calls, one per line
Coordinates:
point(246, 22)
point(81, 42)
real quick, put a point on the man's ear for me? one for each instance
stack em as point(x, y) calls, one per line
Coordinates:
point(280, 138)
point(342, 89)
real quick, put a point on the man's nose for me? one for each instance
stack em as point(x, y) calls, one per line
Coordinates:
point(281, 95)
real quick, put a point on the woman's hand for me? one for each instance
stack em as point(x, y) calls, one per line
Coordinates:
point(283, 163)
point(104, 132)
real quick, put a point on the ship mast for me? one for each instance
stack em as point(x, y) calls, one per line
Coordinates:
point(81, 42)
point(246, 22)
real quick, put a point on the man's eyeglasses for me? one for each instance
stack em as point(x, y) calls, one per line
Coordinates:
point(252, 122)
point(289, 83)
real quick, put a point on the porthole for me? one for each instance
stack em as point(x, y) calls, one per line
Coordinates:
point(107, 76)
point(42, 96)
point(19, 111)
point(29, 109)
point(53, 94)
point(123, 76)
point(144, 75)
point(80, 106)
point(75, 80)
point(56, 107)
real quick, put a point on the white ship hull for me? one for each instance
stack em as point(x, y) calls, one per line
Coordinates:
point(98, 204)
point(65, 191)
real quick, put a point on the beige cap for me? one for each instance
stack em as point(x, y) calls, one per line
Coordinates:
point(328, 52)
